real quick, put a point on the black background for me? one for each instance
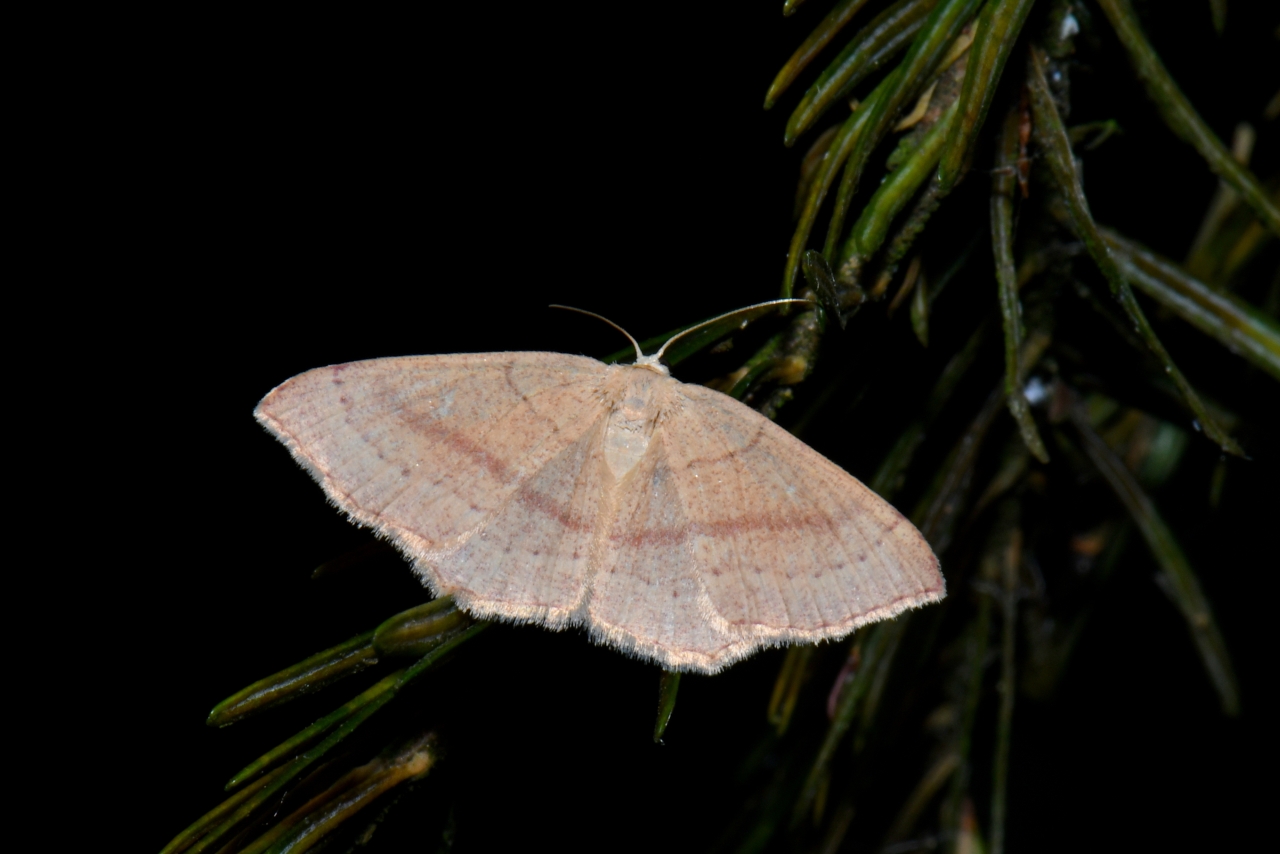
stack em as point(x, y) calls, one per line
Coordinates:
point(268, 193)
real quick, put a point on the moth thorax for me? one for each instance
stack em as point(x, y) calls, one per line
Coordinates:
point(631, 422)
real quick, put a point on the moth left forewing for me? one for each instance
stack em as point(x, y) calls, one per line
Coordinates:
point(426, 449)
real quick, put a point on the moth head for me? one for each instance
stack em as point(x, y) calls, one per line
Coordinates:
point(651, 363)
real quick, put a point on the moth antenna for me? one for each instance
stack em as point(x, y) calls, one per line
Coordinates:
point(634, 343)
point(742, 310)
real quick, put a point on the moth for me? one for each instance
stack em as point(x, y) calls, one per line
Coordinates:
point(670, 520)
